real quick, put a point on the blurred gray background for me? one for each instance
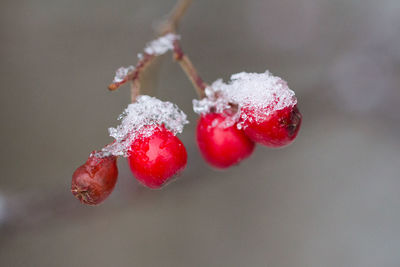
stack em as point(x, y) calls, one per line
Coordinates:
point(330, 199)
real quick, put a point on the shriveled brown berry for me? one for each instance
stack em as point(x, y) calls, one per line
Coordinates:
point(94, 181)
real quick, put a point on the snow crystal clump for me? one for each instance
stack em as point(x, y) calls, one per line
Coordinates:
point(156, 47)
point(257, 90)
point(161, 45)
point(121, 73)
point(146, 111)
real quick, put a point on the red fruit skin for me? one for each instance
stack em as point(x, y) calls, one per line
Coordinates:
point(222, 147)
point(94, 181)
point(156, 159)
point(274, 130)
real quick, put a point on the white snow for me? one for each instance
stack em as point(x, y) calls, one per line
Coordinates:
point(161, 45)
point(156, 47)
point(121, 73)
point(144, 112)
point(258, 90)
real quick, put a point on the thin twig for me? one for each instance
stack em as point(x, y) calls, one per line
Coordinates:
point(172, 22)
point(168, 26)
point(190, 71)
point(135, 89)
point(143, 62)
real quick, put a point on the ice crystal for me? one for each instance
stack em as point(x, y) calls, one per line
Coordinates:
point(161, 45)
point(121, 73)
point(146, 111)
point(156, 47)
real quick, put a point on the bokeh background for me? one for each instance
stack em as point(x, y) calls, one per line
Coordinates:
point(330, 199)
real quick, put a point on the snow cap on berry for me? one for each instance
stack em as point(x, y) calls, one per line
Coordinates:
point(257, 90)
point(146, 111)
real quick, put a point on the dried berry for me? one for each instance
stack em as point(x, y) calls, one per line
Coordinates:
point(94, 181)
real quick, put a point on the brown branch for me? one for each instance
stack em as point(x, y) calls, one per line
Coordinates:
point(171, 24)
point(168, 26)
point(190, 71)
point(143, 62)
point(135, 89)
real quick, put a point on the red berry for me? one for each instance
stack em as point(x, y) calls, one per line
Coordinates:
point(155, 159)
point(222, 146)
point(277, 129)
point(94, 181)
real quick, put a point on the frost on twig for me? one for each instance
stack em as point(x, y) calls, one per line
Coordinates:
point(161, 45)
point(121, 73)
point(153, 49)
point(146, 111)
point(257, 90)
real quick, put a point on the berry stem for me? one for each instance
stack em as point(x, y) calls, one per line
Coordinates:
point(170, 26)
point(190, 71)
point(134, 76)
point(175, 16)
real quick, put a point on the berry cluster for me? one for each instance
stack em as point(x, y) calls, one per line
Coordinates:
point(147, 138)
point(252, 108)
point(154, 159)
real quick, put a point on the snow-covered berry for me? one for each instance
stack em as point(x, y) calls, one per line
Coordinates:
point(146, 136)
point(266, 107)
point(156, 158)
point(220, 142)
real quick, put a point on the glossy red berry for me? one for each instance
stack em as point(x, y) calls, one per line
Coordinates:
point(222, 146)
point(276, 129)
point(154, 160)
point(94, 181)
